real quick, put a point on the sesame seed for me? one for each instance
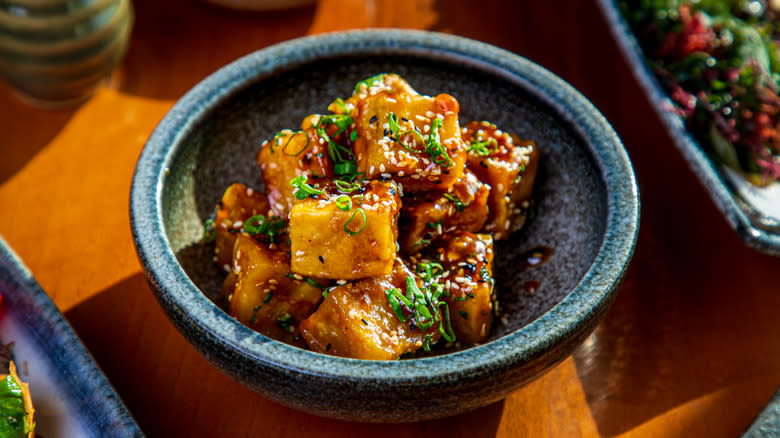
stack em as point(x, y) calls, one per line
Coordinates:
point(237, 224)
point(462, 279)
point(341, 282)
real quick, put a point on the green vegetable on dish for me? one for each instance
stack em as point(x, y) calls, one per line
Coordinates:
point(719, 62)
point(16, 411)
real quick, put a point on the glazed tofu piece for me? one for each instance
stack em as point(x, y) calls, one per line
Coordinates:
point(238, 204)
point(290, 154)
point(262, 295)
point(384, 82)
point(356, 320)
point(414, 139)
point(509, 166)
point(346, 236)
point(426, 216)
point(467, 259)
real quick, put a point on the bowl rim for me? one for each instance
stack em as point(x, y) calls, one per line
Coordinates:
point(595, 290)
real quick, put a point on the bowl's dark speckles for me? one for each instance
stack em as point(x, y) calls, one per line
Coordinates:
point(585, 199)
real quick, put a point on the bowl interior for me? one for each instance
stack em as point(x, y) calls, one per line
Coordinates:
point(570, 192)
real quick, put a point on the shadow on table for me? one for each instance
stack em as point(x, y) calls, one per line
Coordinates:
point(18, 147)
point(167, 385)
point(177, 43)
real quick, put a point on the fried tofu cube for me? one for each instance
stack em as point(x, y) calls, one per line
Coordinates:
point(411, 138)
point(263, 295)
point(356, 242)
point(383, 82)
point(509, 166)
point(467, 260)
point(238, 204)
point(426, 216)
point(356, 320)
point(290, 154)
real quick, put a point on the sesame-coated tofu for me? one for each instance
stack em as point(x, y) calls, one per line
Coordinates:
point(426, 216)
point(290, 154)
point(467, 260)
point(263, 295)
point(509, 165)
point(346, 236)
point(238, 204)
point(356, 320)
point(383, 82)
point(414, 139)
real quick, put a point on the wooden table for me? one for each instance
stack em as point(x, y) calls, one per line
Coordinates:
point(691, 346)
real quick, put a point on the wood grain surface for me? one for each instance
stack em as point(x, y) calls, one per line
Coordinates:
point(690, 348)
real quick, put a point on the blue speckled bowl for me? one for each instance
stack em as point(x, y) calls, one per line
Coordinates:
point(586, 202)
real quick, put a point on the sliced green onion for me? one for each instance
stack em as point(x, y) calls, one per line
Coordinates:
point(344, 203)
point(345, 168)
point(294, 134)
point(459, 205)
point(209, 231)
point(346, 186)
point(259, 224)
point(435, 149)
point(427, 341)
point(483, 148)
point(353, 136)
point(365, 222)
point(285, 322)
point(303, 189)
point(395, 298)
point(339, 103)
point(446, 328)
point(370, 82)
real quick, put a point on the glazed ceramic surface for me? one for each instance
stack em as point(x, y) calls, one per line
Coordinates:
point(55, 53)
point(71, 396)
point(586, 213)
point(753, 212)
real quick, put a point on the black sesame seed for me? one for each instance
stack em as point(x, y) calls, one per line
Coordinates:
point(373, 119)
point(328, 347)
point(322, 260)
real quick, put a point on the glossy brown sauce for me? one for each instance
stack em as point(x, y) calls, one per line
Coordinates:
point(535, 256)
point(530, 259)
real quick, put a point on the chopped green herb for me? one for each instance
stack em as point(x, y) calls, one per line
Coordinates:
point(302, 189)
point(435, 225)
point(286, 322)
point(483, 148)
point(344, 203)
point(459, 206)
point(347, 186)
point(351, 218)
point(463, 314)
point(370, 82)
point(260, 225)
point(300, 151)
point(15, 422)
point(209, 231)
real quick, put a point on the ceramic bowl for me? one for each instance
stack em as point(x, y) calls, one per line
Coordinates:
point(586, 212)
point(753, 212)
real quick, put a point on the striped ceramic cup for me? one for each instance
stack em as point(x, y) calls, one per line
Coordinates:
point(55, 53)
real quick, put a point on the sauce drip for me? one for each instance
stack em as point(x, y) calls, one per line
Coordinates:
point(531, 286)
point(535, 256)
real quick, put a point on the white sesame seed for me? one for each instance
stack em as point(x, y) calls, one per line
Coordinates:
point(237, 224)
point(462, 280)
